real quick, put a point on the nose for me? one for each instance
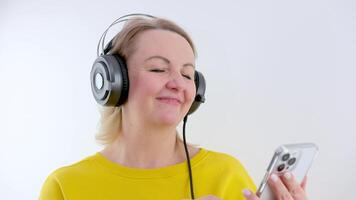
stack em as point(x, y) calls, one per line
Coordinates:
point(175, 81)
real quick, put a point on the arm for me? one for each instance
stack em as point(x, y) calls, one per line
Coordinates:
point(51, 189)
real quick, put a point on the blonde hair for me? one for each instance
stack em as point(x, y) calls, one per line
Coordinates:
point(124, 45)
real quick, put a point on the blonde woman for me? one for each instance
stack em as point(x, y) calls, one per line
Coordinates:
point(143, 156)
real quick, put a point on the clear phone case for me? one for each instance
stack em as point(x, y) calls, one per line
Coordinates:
point(294, 158)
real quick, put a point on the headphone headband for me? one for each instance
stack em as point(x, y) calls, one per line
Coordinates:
point(105, 50)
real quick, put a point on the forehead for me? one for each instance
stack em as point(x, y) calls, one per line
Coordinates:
point(165, 43)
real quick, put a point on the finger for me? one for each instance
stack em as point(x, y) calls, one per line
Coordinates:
point(304, 183)
point(209, 197)
point(249, 195)
point(279, 189)
point(295, 190)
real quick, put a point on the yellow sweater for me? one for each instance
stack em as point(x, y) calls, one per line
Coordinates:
point(98, 178)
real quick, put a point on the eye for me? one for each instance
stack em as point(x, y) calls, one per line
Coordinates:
point(157, 70)
point(187, 76)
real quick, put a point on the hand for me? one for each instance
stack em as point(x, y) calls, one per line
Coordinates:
point(209, 197)
point(284, 188)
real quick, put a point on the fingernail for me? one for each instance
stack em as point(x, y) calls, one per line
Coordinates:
point(246, 192)
point(274, 177)
point(287, 175)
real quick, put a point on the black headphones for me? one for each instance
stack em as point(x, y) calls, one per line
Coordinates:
point(109, 77)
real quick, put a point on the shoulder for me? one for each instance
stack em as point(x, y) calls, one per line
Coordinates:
point(76, 168)
point(54, 184)
point(224, 160)
point(227, 166)
point(71, 172)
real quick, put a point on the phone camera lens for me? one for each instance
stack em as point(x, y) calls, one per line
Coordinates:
point(280, 167)
point(291, 161)
point(285, 157)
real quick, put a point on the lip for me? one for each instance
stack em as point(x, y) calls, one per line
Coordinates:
point(170, 100)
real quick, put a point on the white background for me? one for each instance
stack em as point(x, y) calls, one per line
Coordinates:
point(277, 72)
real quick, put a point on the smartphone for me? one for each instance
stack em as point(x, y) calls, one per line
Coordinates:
point(293, 158)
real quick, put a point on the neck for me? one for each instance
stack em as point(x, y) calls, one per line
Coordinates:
point(140, 146)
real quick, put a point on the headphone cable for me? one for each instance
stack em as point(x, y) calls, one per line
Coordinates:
point(188, 159)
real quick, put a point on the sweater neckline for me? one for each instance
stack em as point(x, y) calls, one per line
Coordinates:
point(161, 172)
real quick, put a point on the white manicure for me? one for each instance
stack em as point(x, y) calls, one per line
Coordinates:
point(246, 192)
point(274, 177)
point(287, 175)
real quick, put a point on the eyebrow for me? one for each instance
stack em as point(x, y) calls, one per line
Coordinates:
point(166, 60)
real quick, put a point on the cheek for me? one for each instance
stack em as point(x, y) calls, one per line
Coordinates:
point(190, 93)
point(139, 87)
point(134, 86)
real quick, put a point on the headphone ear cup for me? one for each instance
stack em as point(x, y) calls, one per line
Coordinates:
point(200, 85)
point(125, 79)
point(109, 80)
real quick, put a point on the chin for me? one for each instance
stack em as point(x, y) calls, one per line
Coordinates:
point(168, 116)
point(169, 120)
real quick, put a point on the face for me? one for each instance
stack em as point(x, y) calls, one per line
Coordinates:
point(161, 72)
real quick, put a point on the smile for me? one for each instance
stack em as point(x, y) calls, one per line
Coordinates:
point(169, 100)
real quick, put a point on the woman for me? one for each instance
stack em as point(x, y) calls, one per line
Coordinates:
point(143, 156)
